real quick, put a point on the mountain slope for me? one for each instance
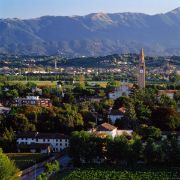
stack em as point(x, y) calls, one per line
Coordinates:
point(94, 34)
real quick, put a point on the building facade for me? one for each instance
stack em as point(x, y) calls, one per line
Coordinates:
point(56, 140)
point(141, 70)
point(33, 100)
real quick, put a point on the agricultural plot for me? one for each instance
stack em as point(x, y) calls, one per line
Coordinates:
point(122, 174)
point(25, 160)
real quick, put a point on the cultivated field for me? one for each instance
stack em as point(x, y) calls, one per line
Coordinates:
point(119, 174)
point(25, 160)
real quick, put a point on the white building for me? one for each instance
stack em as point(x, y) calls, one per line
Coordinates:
point(4, 110)
point(116, 114)
point(32, 100)
point(56, 140)
point(123, 90)
point(110, 130)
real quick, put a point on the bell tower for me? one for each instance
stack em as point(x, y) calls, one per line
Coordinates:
point(141, 70)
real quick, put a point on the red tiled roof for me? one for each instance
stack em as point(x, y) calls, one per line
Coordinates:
point(105, 127)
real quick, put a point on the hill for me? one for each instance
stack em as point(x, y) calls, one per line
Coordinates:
point(93, 34)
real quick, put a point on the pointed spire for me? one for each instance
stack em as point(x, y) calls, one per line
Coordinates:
point(141, 57)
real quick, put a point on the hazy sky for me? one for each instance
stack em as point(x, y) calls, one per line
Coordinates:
point(36, 8)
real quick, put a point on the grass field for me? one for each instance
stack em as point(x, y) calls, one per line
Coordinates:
point(53, 83)
point(119, 174)
point(38, 83)
point(25, 160)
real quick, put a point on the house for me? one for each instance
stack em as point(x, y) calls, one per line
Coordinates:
point(56, 140)
point(165, 134)
point(107, 129)
point(35, 148)
point(36, 90)
point(123, 90)
point(116, 114)
point(33, 100)
point(169, 93)
point(4, 110)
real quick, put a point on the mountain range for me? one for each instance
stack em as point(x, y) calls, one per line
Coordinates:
point(92, 35)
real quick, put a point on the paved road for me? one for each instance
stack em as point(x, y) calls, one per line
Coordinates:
point(64, 161)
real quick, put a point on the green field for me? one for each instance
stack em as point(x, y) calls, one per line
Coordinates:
point(25, 160)
point(53, 83)
point(38, 83)
point(119, 174)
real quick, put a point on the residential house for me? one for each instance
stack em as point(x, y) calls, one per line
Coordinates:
point(4, 110)
point(116, 114)
point(123, 90)
point(109, 130)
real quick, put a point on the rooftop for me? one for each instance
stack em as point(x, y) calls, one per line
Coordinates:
point(105, 127)
point(42, 135)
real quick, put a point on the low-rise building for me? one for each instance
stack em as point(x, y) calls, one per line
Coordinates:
point(109, 130)
point(123, 90)
point(56, 140)
point(35, 148)
point(4, 110)
point(116, 114)
point(33, 100)
point(169, 93)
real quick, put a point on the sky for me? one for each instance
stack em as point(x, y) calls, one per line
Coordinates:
point(25, 9)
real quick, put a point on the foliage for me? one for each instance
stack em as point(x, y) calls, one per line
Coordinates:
point(8, 170)
point(120, 173)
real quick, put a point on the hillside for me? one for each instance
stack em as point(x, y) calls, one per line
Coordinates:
point(93, 34)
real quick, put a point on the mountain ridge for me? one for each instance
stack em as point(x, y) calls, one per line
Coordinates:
point(92, 34)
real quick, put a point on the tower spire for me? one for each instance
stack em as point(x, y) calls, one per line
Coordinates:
point(141, 57)
point(141, 70)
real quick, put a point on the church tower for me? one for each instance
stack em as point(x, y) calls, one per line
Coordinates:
point(141, 70)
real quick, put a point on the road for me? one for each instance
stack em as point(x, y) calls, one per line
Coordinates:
point(64, 161)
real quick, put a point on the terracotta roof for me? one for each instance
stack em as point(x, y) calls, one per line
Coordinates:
point(105, 127)
point(167, 91)
point(42, 135)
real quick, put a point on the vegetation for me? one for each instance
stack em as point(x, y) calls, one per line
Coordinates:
point(150, 149)
point(25, 160)
point(121, 173)
point(50, 168)
point(8, 170)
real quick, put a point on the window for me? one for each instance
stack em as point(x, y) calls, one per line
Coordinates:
point(66, 140)
point(56, 140)
point(56, 144)
point(43, 140)
point(60, 144)
point(65, 144)
point(60, 140)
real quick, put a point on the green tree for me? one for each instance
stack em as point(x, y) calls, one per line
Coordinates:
point(8, 170)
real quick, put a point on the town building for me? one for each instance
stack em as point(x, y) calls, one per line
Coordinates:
point(35, 148)
point(169, 93)
point(37, 90)
point(116, 114)
point(33, 100)
point(56, 140)
point(107, 129)
point(141, 70)
point(4, 110)
point(123, 90)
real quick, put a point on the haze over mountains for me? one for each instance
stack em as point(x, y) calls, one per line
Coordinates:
point(93, 34)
